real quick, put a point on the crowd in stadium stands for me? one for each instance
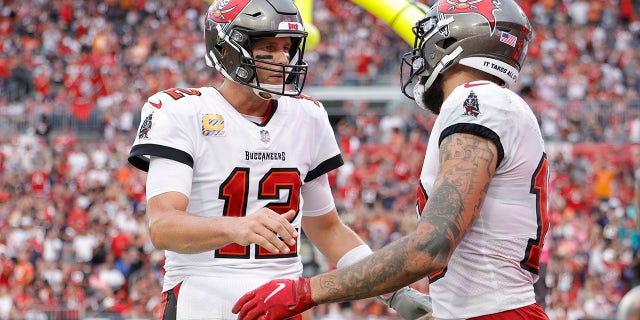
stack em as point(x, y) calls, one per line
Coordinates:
point(73, 238)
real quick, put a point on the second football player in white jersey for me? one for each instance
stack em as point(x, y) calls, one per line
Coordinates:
point(481, 276)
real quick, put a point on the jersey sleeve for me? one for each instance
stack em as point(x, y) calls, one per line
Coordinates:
point(328, 155)
point(165, 131)
point(167, 175)
point(318, 199)
point(477, 112)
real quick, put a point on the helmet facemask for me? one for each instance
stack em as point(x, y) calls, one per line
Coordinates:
point(422, 71)
point(294, 72)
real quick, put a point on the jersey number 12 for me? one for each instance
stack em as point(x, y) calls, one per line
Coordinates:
point(235, 193)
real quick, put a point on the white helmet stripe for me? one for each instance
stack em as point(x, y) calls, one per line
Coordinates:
point(441, 23)
point(226, 39)
point(443, 63)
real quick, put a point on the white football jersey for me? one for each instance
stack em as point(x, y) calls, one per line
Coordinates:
point(494, 267)
point(238, 167)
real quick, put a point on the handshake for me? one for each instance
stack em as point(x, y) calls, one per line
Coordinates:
point(282, 299)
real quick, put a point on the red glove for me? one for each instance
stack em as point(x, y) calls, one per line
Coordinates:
point(275, 300)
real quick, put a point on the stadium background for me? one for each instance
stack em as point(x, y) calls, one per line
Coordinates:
point(74, 74)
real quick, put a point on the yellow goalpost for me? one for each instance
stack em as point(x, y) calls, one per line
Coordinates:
point(400, 15)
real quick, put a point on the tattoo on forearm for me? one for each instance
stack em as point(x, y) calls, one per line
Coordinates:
point(459, 185)
point(362, 279)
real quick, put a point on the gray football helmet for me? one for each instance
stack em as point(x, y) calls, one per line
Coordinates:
point(231, 25)
point(488, 35)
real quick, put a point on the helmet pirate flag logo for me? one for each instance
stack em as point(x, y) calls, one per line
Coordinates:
point(226, 10)
point(484, 8)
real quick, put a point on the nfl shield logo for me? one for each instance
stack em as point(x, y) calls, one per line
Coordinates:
point(264, 136)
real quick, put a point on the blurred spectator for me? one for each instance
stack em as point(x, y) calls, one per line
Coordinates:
point(43, 127)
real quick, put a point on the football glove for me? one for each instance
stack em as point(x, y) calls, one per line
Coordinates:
point(277, 299)
point(409, 303)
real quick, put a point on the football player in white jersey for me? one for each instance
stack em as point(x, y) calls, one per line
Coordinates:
point(235, 173)
point(482, 198)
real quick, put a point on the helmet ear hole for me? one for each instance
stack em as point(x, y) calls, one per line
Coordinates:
point(446, 43)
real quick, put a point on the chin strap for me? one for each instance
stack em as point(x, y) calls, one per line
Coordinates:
point(268, 95)
point(418, 91)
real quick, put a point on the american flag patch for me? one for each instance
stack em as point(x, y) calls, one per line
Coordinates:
point(508, 39)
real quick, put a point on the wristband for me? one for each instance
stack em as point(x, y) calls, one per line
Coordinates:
point(354, 255)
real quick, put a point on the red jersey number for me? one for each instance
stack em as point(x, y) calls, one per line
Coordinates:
point(235, 190)
point(539, 187)
point(178, 93)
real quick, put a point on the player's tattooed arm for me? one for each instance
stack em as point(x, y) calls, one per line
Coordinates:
point(467, 164)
